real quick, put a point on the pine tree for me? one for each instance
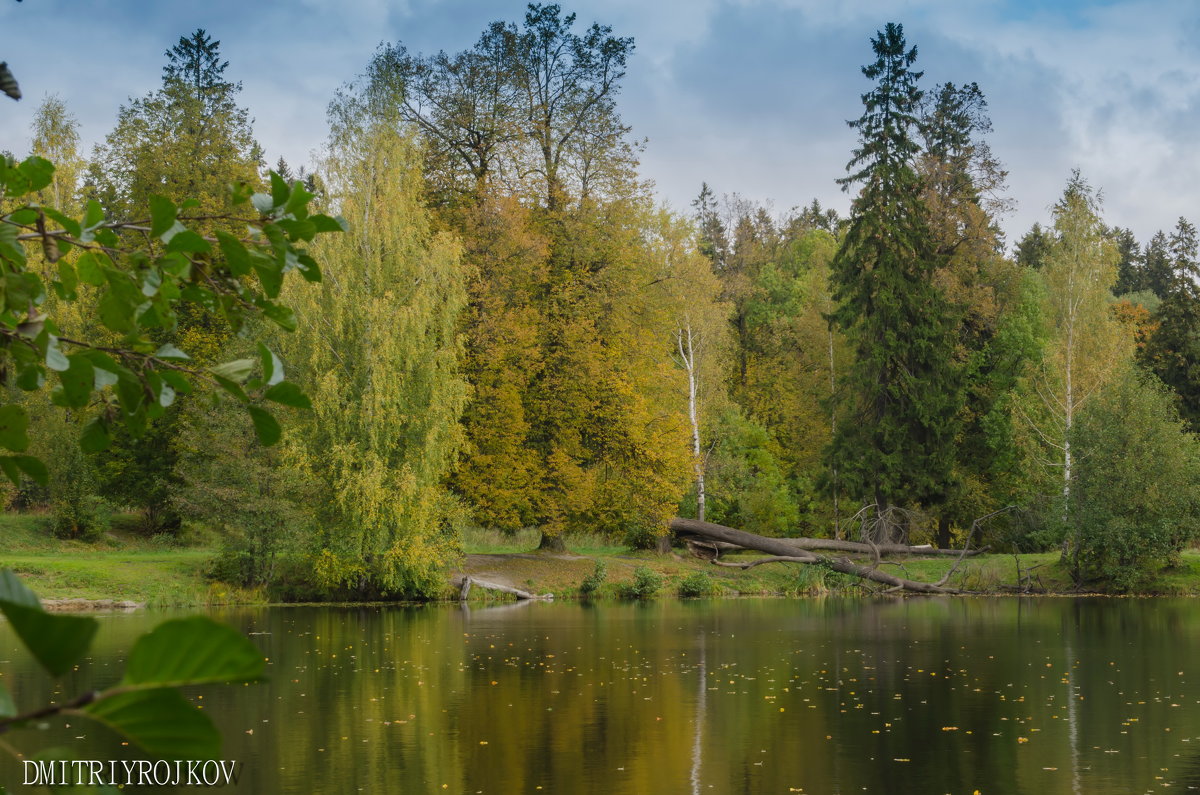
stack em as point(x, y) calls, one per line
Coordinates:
point(1173, 350)
point(896, 447)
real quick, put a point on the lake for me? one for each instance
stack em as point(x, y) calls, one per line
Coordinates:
point(912, 695)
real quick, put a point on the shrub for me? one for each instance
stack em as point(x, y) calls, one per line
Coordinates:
point(696, 584)
point(591, 583)
point(646, 584)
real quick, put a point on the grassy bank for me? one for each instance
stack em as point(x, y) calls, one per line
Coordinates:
point(125, 566)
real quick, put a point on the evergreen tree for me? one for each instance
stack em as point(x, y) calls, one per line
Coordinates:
point(1157, 270)
point(1173, 350)
point(896, 447)
point(1034, 246)
point(1131, 276)
point(712, 239)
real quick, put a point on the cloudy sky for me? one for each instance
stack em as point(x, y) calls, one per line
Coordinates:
point(750, 96)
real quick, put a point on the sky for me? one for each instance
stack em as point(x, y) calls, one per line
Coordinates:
point(750, 96)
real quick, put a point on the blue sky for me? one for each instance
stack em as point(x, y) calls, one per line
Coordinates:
point(750, 96)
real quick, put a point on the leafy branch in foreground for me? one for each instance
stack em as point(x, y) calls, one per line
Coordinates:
point(137, 275)
point(146, 705)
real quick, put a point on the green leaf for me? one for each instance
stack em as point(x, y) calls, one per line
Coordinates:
point(31, 377)
point(93, 215)
point(189, 241)
point(25, 216)
point(77, 381)
point(115, 313)
point(297, 203)
point(66, 275)
point(234, 251)
point(38, 170)
point(279, 190)
point(30, 465)
point(232, 387)
point(265, 426)
point(90, 267)
point(272, 367)
point(271, 276)
point(162, 215)
point(95, 436)
point(177, 380)
point(191, 651)
point(56, 641)
point(14, 591)
point(7, 708)
point(14, 423)
point(169, 352)
point(161, 721)
point(324, 223)
point(238, 370)
point(69, 224)
point(288, 394)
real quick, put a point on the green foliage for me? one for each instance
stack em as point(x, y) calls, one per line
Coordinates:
point(1134, 503)
point(145, 706)
point(378, 349)
point(591, 584)
point(747, 486)
point(696, 585)
point(1172, 351)
point(646, 584)
point(895, 443)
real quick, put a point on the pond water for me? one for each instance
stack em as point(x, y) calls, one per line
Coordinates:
point(737, 696)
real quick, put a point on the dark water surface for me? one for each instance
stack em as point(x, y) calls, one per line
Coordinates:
point(738, 696)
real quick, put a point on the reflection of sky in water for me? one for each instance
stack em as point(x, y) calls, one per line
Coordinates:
point(815, 696)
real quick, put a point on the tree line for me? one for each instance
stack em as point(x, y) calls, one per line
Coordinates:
point(513, 333)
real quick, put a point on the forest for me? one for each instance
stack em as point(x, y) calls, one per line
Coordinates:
point(494, 322)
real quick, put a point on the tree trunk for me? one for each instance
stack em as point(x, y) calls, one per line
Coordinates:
point(468, 581)
point(552, 543)
point(943, 532)
point(779, 548)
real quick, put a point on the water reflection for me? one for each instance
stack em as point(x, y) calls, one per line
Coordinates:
point(816, 696)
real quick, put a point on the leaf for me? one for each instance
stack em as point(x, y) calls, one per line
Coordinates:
point(189, 241)
point(324, 223)
point(161, 721)
point(14, 591)
point(31, 377)
point(115, 314)
point(69, 224)
point(55, 359)
point(237, 370)
point(56, 641)
point(162, 215)
point(14, 423)
point(30, 465)
point(297, 203)
point(232, 387)
point(90, 267)
point(236, 257)
point(77, 381)
point(95, 436)
point(169, 352)
point(265, 426)
point(279, 190)
point(38, 170)
point(272, 367)
point(93, 215)
point(191, 651)
point(262, 202)
point(288, 394)
point(178, 381)
point(25, 216)
point(7, 708)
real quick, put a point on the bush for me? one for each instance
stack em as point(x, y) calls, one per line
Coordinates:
point(591, 583)
point(1135, 500)
point(696, 584)
point(646, 584)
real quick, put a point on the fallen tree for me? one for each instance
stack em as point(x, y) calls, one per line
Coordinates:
point(683, 528)
point(784, 550)
point(468, 581)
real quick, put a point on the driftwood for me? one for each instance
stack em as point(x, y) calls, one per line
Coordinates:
point(783, 552)
point(467, 582)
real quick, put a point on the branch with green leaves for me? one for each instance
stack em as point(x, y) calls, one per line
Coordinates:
point(145, 706)
point(142, 273)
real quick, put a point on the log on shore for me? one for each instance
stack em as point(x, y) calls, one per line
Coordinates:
point(468, 581)
point(686, 527)
point(782, 552)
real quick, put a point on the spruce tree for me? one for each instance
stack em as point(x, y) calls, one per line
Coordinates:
point(1173, 350)
point(896, 447)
